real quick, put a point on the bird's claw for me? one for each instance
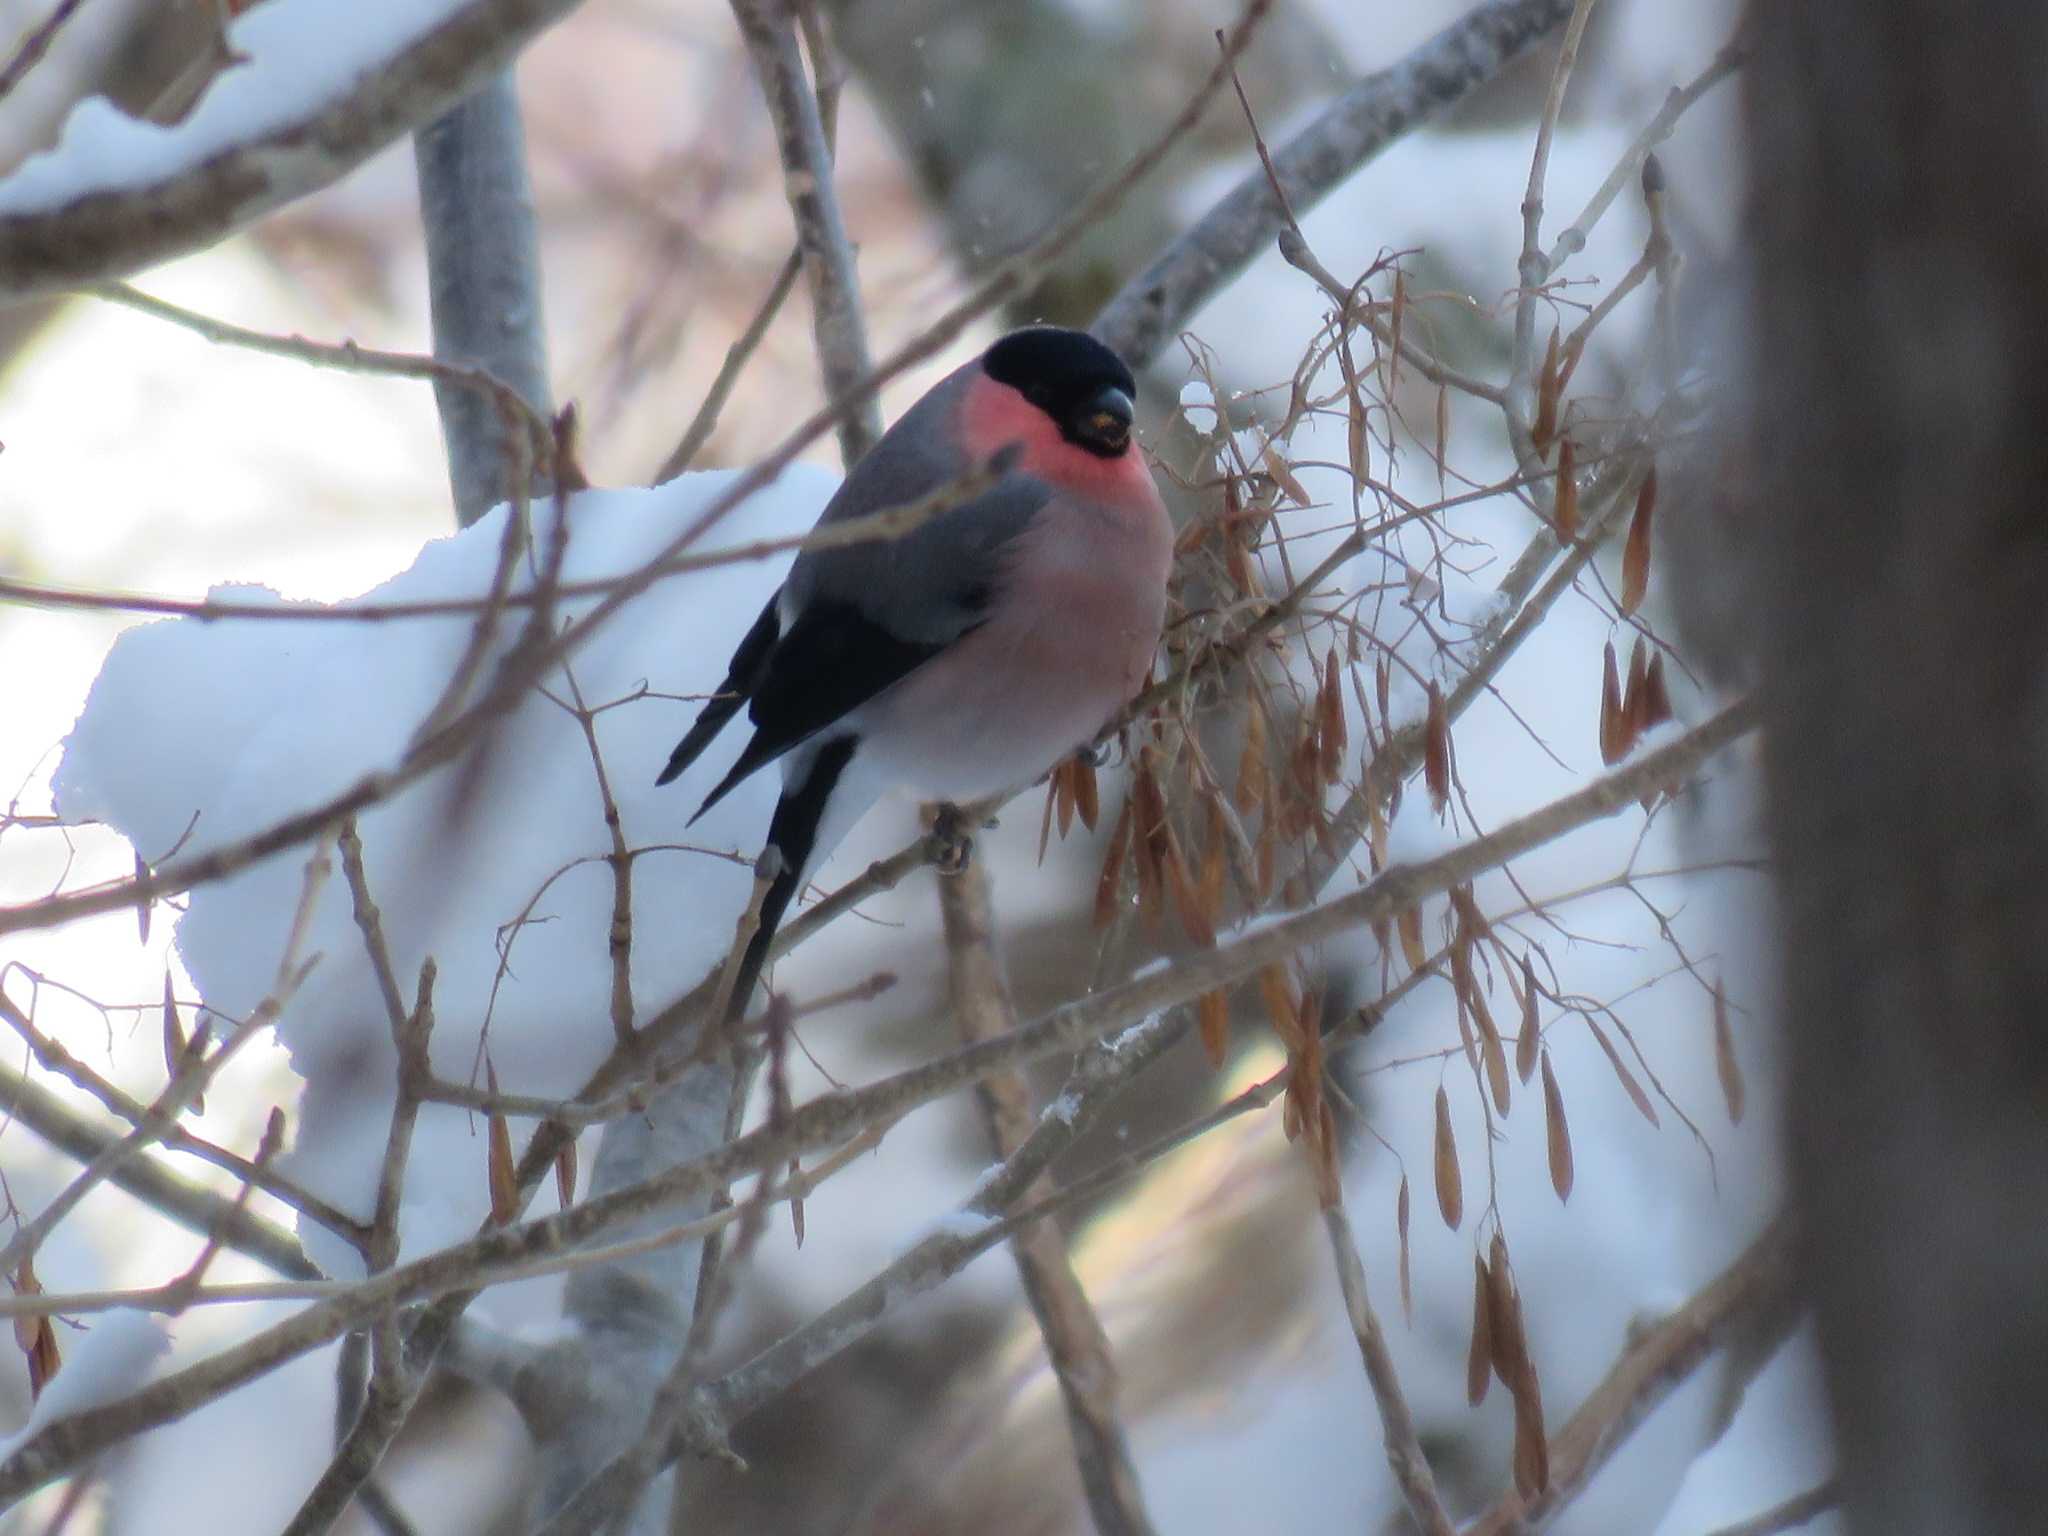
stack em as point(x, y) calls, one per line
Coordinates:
point(952, 846)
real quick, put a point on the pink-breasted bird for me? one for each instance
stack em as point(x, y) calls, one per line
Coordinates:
point(976, 651)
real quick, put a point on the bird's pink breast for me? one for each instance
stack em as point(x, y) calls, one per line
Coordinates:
point(1068, 641)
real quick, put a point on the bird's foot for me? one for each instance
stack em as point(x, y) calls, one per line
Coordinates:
point(952, 846)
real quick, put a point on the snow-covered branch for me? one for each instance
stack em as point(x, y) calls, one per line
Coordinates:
point(322, 89)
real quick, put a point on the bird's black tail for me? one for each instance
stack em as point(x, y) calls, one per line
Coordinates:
point(794, 834)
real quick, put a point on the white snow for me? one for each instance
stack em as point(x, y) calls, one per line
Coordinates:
point(300, 56)
point(109, 1360)
point(247, 721)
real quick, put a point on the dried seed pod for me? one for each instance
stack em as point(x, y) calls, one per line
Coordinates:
point(565, 1174)
point(1212, 1018)
point(1277, 993)
point(1635, 554)
point(1110, 881)
point(1063, 794)
point(1465, 1029)
point(1545, 426)
point(1251, 761)
point(1567, 523)
point(1504, 1319)
point(1382, 680)
point(1656, 707)
point(1397, 311)
point(504, 1178)
point(1087, 798)
point(44, 1360)
point(1187, 901)
point(1479, 1358)
point(796, 1217)
point(1401, 1230)
point(1436, 751)
point(1634, 1089)
point(1450, 1183)
point(1557, 1132)
point(1331, 730)
point(1495, 1056)
point(1725, 1063)
point(1614, 742)
point(1237, 563)
point(1355, 440)
point(1283, 474)
point(1632, 692)
point(1408, 923)
point(1530, 1040)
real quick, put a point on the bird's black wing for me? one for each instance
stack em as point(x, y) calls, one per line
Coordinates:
point(742, 677)
point(832, 661)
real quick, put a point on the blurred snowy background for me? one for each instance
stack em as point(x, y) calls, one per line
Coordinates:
point(139, 457)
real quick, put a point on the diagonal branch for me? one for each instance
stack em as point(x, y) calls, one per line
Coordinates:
point(1373, 114)
point(64, 229)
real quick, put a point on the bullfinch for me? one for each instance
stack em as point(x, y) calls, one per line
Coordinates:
point(975, 652)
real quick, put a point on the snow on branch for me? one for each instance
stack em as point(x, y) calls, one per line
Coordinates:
point(319, 89)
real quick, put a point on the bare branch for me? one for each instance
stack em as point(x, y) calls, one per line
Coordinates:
point(1404, 1449)
point(1373, 114)
point(1075, 1343)
point(836, 320)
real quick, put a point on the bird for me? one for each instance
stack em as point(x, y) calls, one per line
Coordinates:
point(974, 652)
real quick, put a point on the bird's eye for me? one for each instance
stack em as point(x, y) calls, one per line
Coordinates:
point(1109, 428)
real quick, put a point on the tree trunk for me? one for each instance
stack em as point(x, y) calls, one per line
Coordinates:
point(1899, 389)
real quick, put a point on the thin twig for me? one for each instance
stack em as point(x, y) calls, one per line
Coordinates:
point(346, 356)
point(1790, 1515)
point(35, 45)
point(1153, 306)
point(195, 1072)
point(705, 422)
point(837, 325)
point(1404, 1448)
point(1532, 270)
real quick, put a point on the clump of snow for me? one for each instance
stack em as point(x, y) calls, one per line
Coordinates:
point(299, 56)
point(222, 728)
point(1198, 405)
point(110, 1361)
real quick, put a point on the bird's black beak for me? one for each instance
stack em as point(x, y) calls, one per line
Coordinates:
point(1103, 424)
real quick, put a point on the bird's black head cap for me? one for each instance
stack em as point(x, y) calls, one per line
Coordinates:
point(1074, 379)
